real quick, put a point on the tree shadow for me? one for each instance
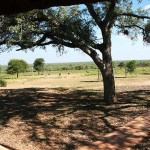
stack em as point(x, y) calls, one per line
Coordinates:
point(60, 118)
point(7, 147)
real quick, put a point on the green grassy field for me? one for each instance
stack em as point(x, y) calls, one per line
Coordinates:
point(83, 68)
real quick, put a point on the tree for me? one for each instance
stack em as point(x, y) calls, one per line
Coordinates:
point(15, 6)
point(121, 65)
point(78, 67)
point(131, 66)
point(38, 65)
point(147, 33)
point(16, 66)
point(76, 27)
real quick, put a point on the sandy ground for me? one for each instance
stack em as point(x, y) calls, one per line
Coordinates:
point(67, 111)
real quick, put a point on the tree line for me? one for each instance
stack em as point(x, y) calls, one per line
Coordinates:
point(16, 66)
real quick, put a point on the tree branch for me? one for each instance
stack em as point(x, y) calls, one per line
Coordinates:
point(41, 40)
point(67, 44)
point(110, 16)
point(134, 15)
point(95, 16)
point(129, 26)
point(20, 6)
point(2, 42)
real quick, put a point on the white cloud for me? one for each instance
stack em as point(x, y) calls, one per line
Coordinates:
point(147, 7)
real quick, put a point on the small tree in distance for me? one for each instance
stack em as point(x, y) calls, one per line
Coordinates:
point(121, 65)
point(16, 66)
point(38, 65)
point(131, 66)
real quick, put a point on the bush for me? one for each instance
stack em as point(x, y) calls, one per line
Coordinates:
point(3, 83)
point(131, 66)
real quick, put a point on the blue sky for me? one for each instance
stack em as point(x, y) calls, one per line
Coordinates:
point(122, 49)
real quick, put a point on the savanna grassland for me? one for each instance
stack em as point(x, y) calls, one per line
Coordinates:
point(63, 108)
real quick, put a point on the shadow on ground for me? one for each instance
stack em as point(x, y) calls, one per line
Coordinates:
point(63, 119)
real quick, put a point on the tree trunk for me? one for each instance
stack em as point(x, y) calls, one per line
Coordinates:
point(17, 75)
point(109, 85)
point(106, 70)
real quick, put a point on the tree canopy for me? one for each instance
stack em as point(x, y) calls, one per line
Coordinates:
point(131, 66)
point(38, 65)
point(64, 25)
point(16, 66)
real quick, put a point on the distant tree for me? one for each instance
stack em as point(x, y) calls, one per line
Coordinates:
point(121, 65)
point(39, 65)
point(16, 66)
point(79, 67)
point(86, 67)
point(64, 68)
point(131, 66)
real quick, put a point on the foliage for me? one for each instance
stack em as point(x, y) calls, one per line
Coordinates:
point(121, 65)
point(79, 67)
point(38, 64)
point(131, 66)
point(114, 64)
point(3, 83)
point(146, 37)
point(53, 69)
point(68, 24)
point(16, 66)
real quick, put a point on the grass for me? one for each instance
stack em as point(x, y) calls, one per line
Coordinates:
point(87, 68)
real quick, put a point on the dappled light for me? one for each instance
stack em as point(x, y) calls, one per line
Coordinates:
point(59, 118)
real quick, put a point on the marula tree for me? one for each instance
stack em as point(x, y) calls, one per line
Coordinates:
point(79, 28)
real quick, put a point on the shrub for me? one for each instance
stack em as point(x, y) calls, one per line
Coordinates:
point(3, 83)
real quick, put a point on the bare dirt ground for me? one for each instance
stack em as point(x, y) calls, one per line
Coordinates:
point(62, 113)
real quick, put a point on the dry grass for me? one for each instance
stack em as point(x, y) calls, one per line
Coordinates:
point(53, 113)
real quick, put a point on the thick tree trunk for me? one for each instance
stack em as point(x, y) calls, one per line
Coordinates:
point(106, 70)
point(109, 84)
